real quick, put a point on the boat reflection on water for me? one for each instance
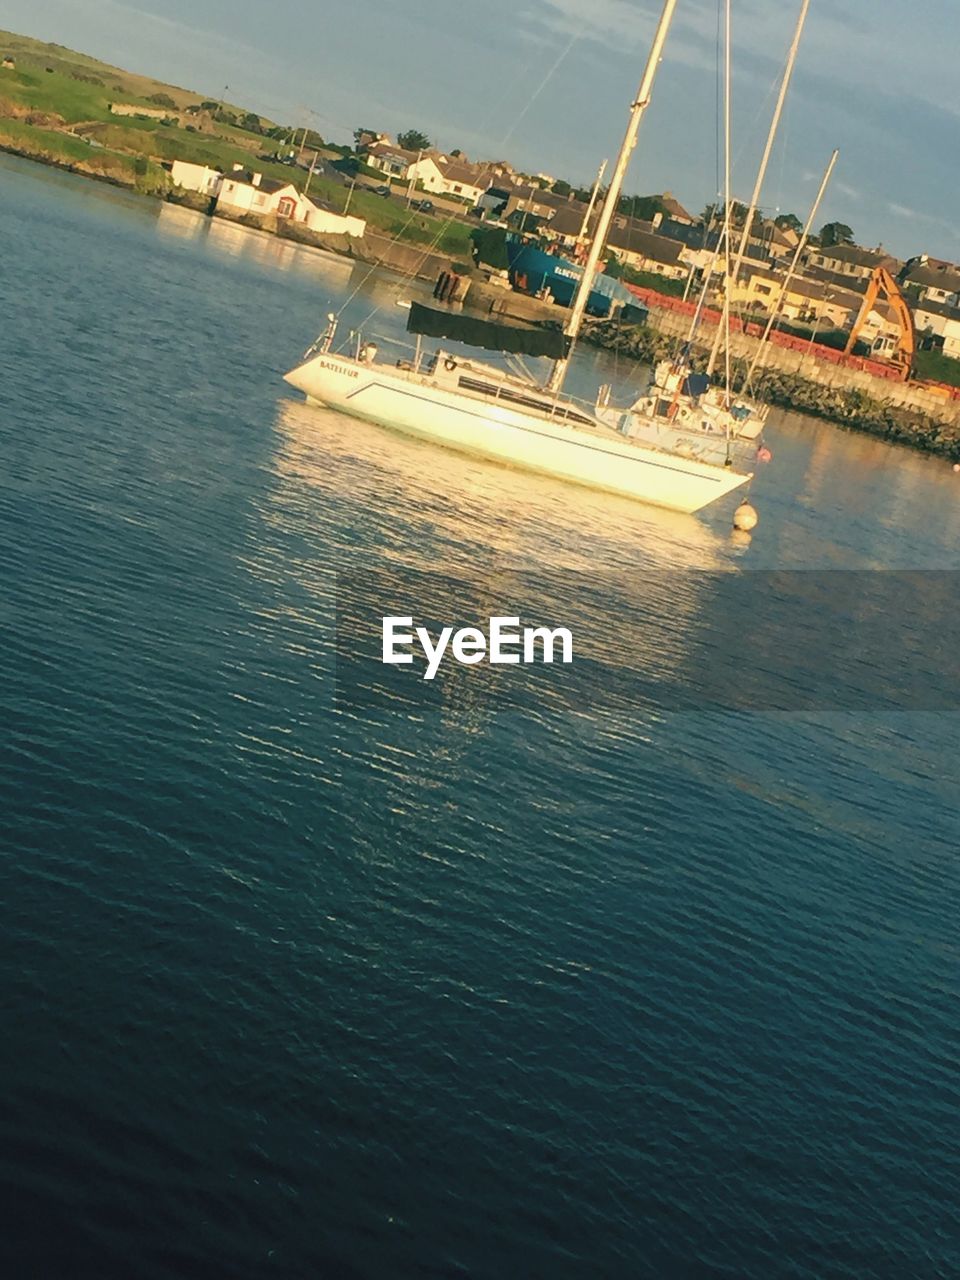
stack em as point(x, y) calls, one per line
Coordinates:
point(452, 540)
point(461, 512)
point(662, 620)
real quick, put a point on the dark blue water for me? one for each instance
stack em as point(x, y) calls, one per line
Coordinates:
point(298, 986)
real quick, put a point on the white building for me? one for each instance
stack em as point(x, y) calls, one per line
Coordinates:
point(942, 321)
point(242, 192)
point(465, 181)
point(333, 223)
point(196, 177)
point(151, 113)
point(394, 162)
point(253, 193)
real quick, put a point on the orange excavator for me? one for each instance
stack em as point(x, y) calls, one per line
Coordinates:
point(883, 286)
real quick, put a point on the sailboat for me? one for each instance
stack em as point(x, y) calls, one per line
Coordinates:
point(683, 411)
point(470, 405)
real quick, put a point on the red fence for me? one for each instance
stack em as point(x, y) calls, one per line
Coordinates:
point(863, 364)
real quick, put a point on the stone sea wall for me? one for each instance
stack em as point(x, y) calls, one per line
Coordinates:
point(892, 411)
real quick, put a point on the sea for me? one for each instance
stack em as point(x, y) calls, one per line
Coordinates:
point(641, 966)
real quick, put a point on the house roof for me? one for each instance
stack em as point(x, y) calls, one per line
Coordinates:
point(568, 220)
point(270, 185)
point(527, 191)
point(942, 276)
point(558, 202)
point(674, 208)
point(817, 290)
point(467, 175)
point(820, 292)
point(390, 150)
point(860, 257)
point(937, 309)
point(838, 280)
point(630, 239)
point(770, 234)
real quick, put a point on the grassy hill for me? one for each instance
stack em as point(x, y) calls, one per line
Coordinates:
point(55, 107)
point(83, 86)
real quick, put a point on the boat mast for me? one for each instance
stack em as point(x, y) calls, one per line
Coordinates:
point(609, 207)
point(723, 329)
point(801, 245)
point(728, 209)
point(584, 232)
point(774, 126)
point(731, 276)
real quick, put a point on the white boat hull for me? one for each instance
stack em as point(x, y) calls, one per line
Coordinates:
point(591, 455)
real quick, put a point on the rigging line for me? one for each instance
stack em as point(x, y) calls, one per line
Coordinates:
point(785, 137)
point(540, 88)
point(761, 111)
point(410, 274)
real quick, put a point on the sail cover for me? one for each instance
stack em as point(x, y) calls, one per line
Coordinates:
point(475, 331)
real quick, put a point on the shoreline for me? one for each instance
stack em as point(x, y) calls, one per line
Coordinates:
point(851, 408)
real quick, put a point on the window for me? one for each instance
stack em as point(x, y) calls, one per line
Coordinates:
point(286, 206)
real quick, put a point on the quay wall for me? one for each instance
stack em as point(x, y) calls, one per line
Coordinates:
point(812, 365)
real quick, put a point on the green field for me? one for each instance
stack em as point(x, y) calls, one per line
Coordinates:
point(55, 100)
point(937, 367)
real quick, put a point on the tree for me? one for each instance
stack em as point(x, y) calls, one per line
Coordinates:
point(490, 247)
point(789, 222)
point(163, 100)
point(834, 233)
point(643, 207)
point(251, 123)
point(614, 267)
point(561, 188)
point(413, 140)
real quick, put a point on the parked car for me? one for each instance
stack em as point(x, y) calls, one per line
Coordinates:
point(382, 191)
point(424, 206)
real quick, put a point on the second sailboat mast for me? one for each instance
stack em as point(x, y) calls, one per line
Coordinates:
point(612, 199)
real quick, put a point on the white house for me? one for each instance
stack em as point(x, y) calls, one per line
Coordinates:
point(252, 193)
point(466, 181)
point(244, 192)
point(196, 177)
point(852, 261)
point(394, 162)
point(934, 280)
point(940, 321)
point(333, 223)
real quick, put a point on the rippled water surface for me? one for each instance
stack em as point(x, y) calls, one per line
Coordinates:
point(297, 986)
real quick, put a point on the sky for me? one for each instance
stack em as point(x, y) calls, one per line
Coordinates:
point(547, 85)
